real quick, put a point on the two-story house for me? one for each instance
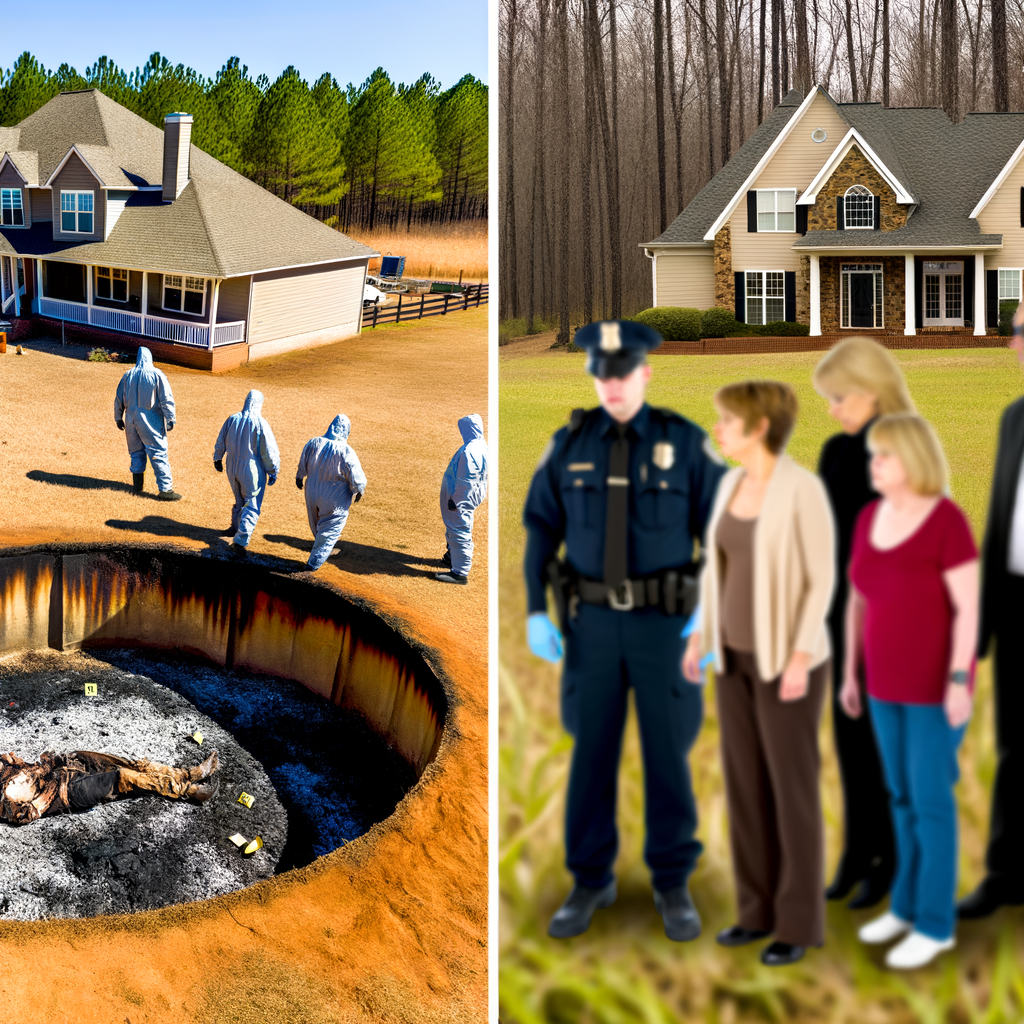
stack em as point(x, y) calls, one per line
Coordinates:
point(854, 217)
point(110, 223)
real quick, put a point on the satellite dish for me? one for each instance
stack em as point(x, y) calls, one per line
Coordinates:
point(819, 135)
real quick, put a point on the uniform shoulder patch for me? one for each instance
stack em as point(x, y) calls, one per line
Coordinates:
point(577, 418)
point(711, 451)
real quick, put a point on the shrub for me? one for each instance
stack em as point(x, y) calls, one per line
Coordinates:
point(717, 322)
point(782, 329)
point(673, 323)
point(101, 355)
point(1007, 307)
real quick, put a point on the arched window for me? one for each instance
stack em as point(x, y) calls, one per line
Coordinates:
point(859, 207)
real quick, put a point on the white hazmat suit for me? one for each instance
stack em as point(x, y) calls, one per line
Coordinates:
point(463, 487)
point(334, 480)
point(144, 409)
point(251, 460)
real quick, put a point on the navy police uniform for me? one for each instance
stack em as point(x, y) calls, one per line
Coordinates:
point(628, 635)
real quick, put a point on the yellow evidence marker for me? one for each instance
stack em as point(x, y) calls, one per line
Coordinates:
point(91, 690)
point(256, 844)
point(247, 800)
point(198, 737)
point(238, 839)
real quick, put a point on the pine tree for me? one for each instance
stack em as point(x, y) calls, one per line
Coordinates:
point(462, 143)
point(28, 87)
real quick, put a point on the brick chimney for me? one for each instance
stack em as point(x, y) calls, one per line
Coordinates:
point(177, 135)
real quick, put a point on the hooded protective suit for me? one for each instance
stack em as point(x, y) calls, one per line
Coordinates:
point(335, 478)
point(145, 403)
point(247, 445)
point(463, 487)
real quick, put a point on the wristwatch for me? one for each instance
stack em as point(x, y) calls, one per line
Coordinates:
point(959, 676)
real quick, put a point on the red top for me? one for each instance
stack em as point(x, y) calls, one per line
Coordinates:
point(909, 617)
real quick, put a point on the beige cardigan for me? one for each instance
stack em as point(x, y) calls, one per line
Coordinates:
point(794, 570)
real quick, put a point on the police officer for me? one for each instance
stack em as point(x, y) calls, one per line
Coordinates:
point(628, 488)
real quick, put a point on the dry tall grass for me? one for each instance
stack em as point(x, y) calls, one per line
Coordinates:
point(434, 252)
point(624, 970)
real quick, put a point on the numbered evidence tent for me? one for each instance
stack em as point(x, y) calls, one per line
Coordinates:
point(854, 217)
point(122, 229)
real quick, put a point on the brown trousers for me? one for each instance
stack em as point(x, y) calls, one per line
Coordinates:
point(771, 762)
point(143, 774)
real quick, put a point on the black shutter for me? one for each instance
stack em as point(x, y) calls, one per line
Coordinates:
point(969, 289)
point(840, 220)
point(741, 297)
point(1022, 206)
point(918, 290)
point(992, 297)
point(791, 296)
point(801, 219)
point(752, 211)
point(878, 213)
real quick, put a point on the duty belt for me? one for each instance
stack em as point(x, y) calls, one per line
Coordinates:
point(674, 591)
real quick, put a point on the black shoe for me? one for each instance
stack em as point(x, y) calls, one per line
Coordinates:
point(168, 496)
point(778, 954)
point(872, 890)
point(573, 916)
point(987, 899)
point(137, 479)
point(682, 922)
point(451, 577)
point(844, 881)
point(446, 558)
point(736, 935)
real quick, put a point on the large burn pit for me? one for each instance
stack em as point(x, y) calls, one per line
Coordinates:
point(328, 712)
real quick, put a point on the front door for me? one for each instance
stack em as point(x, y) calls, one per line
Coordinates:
point(862, 300)
point(944, 293)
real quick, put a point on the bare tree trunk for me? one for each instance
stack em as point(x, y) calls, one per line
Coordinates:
point(615, 193)
point(709, 103)
point(784, 46)
point(586, 170)
point(1000, 90)
point(723, 85)
point(659, 115)
point(678, 94)
point(760, 78)
point(537, 202)
point(510, 278)
point(950, 61)
point(934, 65)
point(803, 53)
point(776, 17)
point(850, 51)
point(885, 53)
point(564, 149)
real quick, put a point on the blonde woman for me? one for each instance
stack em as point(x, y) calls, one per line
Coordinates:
point(860, 381)
point(765, 592)
point(912, 618)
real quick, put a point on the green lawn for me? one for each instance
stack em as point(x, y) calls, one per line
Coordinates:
point(624, 970)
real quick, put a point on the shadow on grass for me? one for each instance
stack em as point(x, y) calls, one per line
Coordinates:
point(82, 483)
point(365, 559)
point(161, 526)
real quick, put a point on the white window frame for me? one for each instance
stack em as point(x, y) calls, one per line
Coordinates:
point(774, 211)
point(110, 275)
point(763, 297)
point(845, 270)
point(77, 211)
point(3, 206)
point(183, 278)
point(851, 191)
point(999, 280)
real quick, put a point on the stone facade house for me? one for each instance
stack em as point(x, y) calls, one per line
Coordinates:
point(132, 234)
point(854, 217)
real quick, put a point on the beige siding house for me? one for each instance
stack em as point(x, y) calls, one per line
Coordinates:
point(855, 217)
point(121, 229)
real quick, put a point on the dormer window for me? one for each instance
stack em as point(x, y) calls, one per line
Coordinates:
point(13, 213)
point(859, 207)
point(184, 294)
point(112, 283)
point(76, 210)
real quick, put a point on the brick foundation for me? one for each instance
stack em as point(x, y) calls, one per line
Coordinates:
point(759, 345)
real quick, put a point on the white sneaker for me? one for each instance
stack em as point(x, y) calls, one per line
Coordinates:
point(883, 929)
point(916, 950)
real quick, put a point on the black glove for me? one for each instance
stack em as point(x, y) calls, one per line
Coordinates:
point(451, 506)
point(120, 424)
point(272, 479)
point(298, 482)
point(170, 427)
point(218, 464)
point(359, 495)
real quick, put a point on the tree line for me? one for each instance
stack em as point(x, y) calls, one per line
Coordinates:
point(615, 113)
point(376, 155)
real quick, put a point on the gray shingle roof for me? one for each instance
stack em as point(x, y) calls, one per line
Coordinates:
point(221, 225)
point(947, 168)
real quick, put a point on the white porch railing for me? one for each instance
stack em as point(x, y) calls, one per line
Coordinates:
point(179, 332)
point(8, 303)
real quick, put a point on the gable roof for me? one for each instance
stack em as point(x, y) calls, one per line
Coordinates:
point(946, 168)
point(851, 139)
point(221, 225)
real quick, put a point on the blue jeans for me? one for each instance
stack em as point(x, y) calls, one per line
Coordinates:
point(918, 750)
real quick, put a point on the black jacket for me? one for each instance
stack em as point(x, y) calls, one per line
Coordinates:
point(995, 547)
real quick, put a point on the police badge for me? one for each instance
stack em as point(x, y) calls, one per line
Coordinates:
point(611, 336)
point(664, 456)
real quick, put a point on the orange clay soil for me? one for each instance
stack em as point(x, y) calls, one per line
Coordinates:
point(392, 927)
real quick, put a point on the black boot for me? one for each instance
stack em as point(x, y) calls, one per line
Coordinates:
point(137, 479)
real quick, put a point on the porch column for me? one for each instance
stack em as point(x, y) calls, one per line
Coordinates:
point(979, 294)
point(910, 325)
point(88, 295)
point(14, 281)
point(815, 296)
point(213, 311)
point(144, 300)
point(39, 286)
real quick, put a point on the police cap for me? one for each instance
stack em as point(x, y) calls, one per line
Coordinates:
point(615, 348)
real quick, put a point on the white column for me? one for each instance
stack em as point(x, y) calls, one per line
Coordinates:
point(213, 311)
point(14, 281)
point(815, 296)
point(144, 300)
point(39, 286)
point(88, 295)
point(979, 294)
point(910, 326)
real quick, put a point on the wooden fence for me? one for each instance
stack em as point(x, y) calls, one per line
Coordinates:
point(417, 306)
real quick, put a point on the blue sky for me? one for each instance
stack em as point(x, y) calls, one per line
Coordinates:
point(447, 38)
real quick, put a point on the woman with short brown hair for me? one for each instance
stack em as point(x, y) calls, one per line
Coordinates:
point(765, 591)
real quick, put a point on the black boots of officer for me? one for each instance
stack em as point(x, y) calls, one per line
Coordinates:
point(682, 922)
point(137, 479)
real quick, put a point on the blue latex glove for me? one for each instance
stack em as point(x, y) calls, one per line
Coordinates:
point(691, 623)
point(544, 637)
point(272, 479)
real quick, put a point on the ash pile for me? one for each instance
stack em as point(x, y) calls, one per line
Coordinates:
point(138, 852)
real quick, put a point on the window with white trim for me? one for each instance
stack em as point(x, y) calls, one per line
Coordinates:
point(76, 210)
point(184, 294)
point(12, 213)
point(859, 207)
point(776, 209)
point(112, 283)
point(766, 296)
point(1009, 284)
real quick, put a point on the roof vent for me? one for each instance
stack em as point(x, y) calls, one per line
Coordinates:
point(177, 136)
